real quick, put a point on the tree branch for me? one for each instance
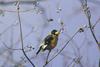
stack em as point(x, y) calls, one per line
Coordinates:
point(21, 35)
point(88, 15)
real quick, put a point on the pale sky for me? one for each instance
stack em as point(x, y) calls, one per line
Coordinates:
point(36, 27)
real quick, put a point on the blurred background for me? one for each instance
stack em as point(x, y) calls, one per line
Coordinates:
point(38, 18)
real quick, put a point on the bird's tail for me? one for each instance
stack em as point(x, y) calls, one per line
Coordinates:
point(38, 50)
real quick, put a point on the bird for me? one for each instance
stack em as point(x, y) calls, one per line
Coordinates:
point(49, 42)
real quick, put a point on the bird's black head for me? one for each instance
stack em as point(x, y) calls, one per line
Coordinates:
point(54, 32)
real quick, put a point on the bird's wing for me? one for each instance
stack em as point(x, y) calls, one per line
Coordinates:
point(48, 39)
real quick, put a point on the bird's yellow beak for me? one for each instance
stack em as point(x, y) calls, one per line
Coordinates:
point(57, 33)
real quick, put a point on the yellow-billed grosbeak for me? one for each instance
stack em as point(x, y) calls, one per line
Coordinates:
point(50, 41)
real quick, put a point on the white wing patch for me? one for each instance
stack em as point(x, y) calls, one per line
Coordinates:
point(44, 46)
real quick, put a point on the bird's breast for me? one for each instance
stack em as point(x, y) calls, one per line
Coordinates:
point(54, 42)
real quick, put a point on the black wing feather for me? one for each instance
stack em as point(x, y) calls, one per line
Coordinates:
point(48, 39)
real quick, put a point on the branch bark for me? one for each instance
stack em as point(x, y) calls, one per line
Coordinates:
point(21, 35)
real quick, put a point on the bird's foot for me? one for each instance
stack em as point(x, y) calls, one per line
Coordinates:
point(46, 62)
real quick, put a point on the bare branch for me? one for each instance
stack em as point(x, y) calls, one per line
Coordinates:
point(21, 34)
point(88, 15)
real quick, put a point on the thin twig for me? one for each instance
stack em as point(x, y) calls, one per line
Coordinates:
point(9, 47)
point(90, 26)
point(4, 3)
point(47, 58)
point(21, 35)
point(96, 23)
point(70, 63)
point(99, 62)
point(88, 15)
point(13, 11)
